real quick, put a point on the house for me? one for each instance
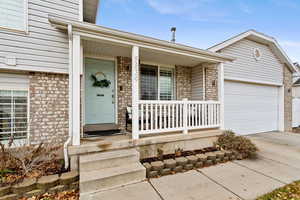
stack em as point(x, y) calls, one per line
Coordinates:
point(258, 84)
point(62, 77)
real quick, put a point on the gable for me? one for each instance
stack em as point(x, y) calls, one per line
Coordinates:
point(267, 69)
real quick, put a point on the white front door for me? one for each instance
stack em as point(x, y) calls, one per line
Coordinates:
point(250, 108)
point(99, 91)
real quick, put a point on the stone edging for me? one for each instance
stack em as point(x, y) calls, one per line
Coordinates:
point(33, 187)
point(180, 164)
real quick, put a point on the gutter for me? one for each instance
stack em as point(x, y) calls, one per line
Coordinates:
point(66, 144)
point(62, 23)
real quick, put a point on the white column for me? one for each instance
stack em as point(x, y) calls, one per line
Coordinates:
point(135, 92)
point(221, 93)
point(76, 69)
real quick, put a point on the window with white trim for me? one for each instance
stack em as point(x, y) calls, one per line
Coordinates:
point(13, 114)
point(13, 14)
point(157, 83)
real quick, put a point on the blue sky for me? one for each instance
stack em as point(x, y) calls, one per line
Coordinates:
point(203, 23)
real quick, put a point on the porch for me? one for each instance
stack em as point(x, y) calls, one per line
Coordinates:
point(181, 91)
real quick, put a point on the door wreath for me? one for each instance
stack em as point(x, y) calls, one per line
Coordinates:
point(102, 83)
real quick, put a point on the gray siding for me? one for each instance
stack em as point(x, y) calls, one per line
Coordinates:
point(44, 48)
point(197, 83)
point(267, 69)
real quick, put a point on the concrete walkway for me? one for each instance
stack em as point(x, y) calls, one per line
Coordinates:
point(277, 165)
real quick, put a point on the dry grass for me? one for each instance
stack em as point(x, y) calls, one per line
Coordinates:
point(288, 192)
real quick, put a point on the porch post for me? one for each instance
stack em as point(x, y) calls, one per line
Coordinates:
point(135, 91)
point(76, 67)
point(221, 93)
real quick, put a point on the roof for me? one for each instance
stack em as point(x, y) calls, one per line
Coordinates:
point(259, 37)
point(90, 8)
point(297, 82)
point(136, 38)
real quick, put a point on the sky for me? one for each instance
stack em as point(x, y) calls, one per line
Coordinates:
point(203, 23)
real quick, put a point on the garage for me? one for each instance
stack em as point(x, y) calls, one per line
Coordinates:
point(250, 108)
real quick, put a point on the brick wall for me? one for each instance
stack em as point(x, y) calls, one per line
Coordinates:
point(48, 107)
point(211, 83)
point(287, 81)
point(183, 82)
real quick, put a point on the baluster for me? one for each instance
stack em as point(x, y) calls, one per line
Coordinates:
point(142, 116)
point(165, 116)
point(173, 116)
point(177, 119)
point(147, 117)
point(160, 116)
point(151, 116)
point(156, 117)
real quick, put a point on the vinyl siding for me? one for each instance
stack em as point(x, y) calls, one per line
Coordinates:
point(197, 83)
point(44, 48)
point(267, 69)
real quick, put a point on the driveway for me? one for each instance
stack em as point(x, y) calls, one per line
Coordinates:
point(278, 164)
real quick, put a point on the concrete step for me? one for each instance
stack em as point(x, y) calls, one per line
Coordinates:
point(103, 179)
point(97, 161)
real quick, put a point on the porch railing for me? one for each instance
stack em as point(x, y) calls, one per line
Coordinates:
point(168, 116)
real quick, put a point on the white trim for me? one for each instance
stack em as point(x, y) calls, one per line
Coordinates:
point(135, 92)
point(221, 93)
point(25, 25)
point(252, 81)
point(157, 64)
point(80, 10)
point(281, 108)
point(109, 58)
point(204, 83)
point(257, 58)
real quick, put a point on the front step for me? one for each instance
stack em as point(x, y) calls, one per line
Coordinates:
point(106, 170)
point(97, 161)
point(111, 177)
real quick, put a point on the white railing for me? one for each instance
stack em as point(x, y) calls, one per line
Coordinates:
point(168, 116)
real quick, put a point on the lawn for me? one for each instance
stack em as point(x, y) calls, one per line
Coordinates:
point(288, 192)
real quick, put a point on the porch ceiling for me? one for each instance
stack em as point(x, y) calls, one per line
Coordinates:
point(104, 49)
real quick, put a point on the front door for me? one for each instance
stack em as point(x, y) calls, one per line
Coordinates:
point(99, 91)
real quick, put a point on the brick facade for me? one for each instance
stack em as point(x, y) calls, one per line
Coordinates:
point(288, 110)
point(48, 107)
point(211, 83)
point(183, 82)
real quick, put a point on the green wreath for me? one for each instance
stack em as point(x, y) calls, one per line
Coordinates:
point(103, 83)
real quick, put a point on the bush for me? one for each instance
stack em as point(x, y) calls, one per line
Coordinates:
point(242, 145)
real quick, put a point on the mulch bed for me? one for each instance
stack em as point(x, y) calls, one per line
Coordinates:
point(179, 154)
point(65, 195)
point(288, 192)
point(47, 168)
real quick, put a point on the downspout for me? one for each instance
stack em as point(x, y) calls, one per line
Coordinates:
point(66, 154)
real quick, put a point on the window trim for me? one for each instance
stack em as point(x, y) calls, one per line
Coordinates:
point(159, 66)
point(25, 25)
point(27, 142)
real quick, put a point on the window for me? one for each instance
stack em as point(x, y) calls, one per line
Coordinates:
point(13, 14)
point(157, 83)
point(13, 114)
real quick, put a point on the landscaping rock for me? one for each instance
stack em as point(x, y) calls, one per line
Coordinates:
point(225, 159)
point(239, 157)
point(170, 163)
point(218, 160)
point(59, 188)
point(178, 168)
point(181, 161)
point(188, 166)
point(199, 164)
point(9, 197)
point(152, 174)
point(192, 159)
point(25, 186)
point(165, 171)
point(208, 163)
point(201, 157)
point(4, 191)
point(34, 193)
point(147, 166)
point(46, 182)
point(220, 154)
point(157, 165)
point(69, 177)
point(211, 156)
point(74, 186)
point(227, 153)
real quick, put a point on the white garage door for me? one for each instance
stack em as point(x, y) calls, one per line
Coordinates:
point(250, 108)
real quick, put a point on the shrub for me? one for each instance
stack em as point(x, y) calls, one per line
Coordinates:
point(242, 145)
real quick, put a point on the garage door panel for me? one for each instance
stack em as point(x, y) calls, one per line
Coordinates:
point(250, 108)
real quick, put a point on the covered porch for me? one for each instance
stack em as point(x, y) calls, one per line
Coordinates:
point(155, 86)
